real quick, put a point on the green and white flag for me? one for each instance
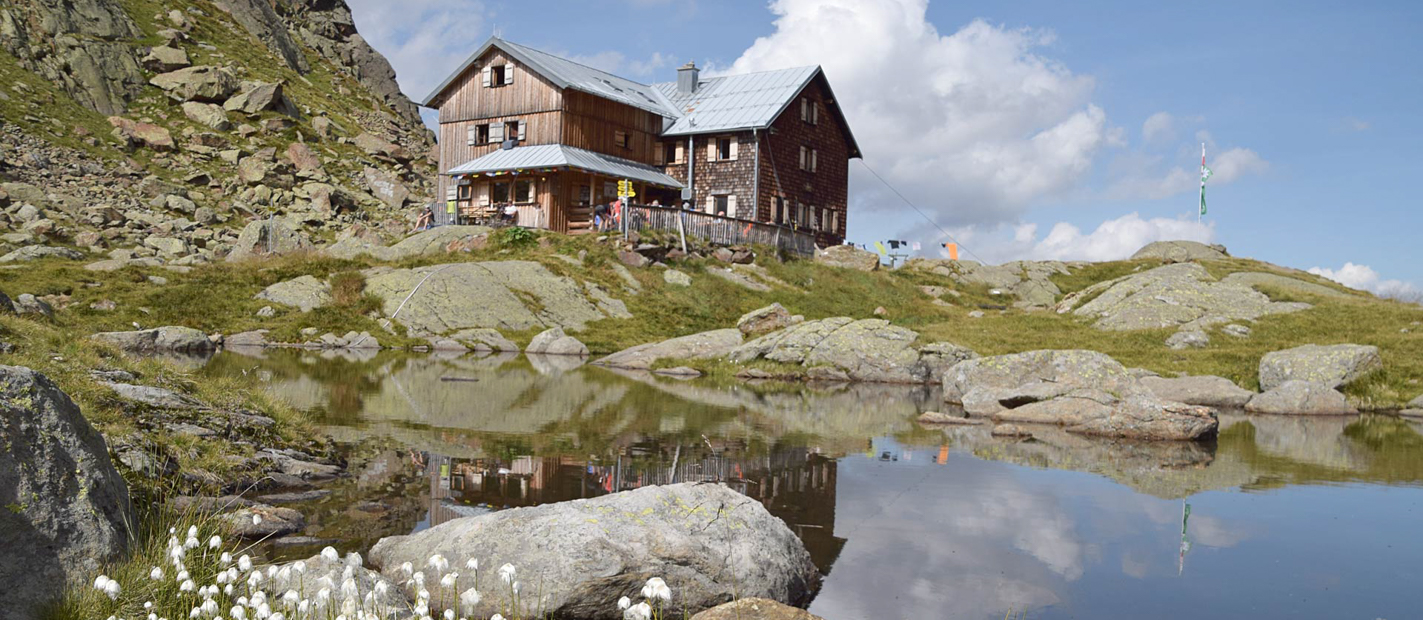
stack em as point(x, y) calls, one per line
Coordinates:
point(1205, 174)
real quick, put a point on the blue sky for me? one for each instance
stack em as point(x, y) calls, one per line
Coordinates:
point(1043, 129)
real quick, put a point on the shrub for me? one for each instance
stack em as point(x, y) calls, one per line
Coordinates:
point(348, 288)
point(515, 236)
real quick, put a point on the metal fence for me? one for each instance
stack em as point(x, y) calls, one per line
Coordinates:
point(721, 230)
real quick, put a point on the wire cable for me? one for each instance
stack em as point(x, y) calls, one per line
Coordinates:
point(921, 213)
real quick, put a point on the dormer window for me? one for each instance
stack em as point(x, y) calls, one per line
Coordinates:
point(497, 76)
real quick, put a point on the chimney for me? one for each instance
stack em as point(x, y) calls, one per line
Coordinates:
point(687, 76)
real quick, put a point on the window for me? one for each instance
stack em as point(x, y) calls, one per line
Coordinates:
point(620, 138)
point(498, 75)
point(723, 203)
point(809, 159)
point(671, 153)
point(514, 130)
point(778, 210)
point(466, 191)
point(523, 191)
point(585, 195)
point(481, 134)
point(501, 193)
point(722, 149)
point(809, 110)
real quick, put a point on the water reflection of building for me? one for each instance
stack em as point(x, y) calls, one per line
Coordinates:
point(794, 483)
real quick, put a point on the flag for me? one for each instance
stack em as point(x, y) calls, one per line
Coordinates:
point(880, 246)
point(1205, 174)
point(915, 246)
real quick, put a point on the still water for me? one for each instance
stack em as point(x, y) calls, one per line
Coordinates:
point(1281, 517)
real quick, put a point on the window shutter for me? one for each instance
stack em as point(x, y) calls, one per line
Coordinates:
point(804, 115)
point(733, 147)
point(814, 159)
point(680, 155)
point(802, 158)
point(523, 130)
point(731, 204)
point(483, 193)
point(496, 132)
point(469, 135)
point(451, 192)
point(711, 150)
point(488, 75)
point(711, 205)
point(814, 113)
point(508, 73)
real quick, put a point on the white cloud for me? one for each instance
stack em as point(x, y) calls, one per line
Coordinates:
point(1138, 177)
point(1364, 278)
point(1158, 126)
point(423, 39)
point(1113, 239)
point(974, 126)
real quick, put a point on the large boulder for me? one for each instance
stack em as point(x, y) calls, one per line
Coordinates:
point(1084, 391)
point(66, 510)
point(381, 147)
point(708, 542)
point(1182, 294)
point(870, 350)
point(210, 84)
point(1029, 281)
point(767, 319)
point(847, 257)
point(1202, 390)
point(304, 292)
point(386, 186)
point(270, 237)
point(1256, 279)
point(1180, 251)
point(1331, 365)
point(165, 58)
point(33, 252)
point(209, 115)
point(554, 342)
point(134, 133)
point(159, 340)
point(433, 241)
point(1296, 397)
point(258, 96)
point(714, 343)
point(459, 296)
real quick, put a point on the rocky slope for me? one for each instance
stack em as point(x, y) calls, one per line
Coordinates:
point(162, 129)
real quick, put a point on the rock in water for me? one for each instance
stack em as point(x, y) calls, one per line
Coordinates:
point(847, 257)
point(555, 342)
point(1301, 398)
point(1207, 391)
point(870, 350)
point(66, 508)
point(1333, 365)
point(695, 346)
point(755, 609)
point(708, 542)
point(159, 340)
point(1180, 251)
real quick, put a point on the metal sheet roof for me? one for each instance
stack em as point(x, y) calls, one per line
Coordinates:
point(560, 156)
point(566, 74)
point(729, 102)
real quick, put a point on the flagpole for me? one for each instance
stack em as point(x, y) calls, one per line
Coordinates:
point(1203, 182)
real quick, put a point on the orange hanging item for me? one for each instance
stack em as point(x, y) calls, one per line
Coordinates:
point(953, 250)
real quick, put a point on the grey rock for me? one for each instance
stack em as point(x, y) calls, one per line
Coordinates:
point(762, 320)
point(1029, 281)
point(1011, 431)
point(1237, 330)
point(1137, 414)
point(676, 278)
point(1332, 365)
point(434, 241)
point(210, 84)
point(270, 237)
point(67, 509)
point(459, 296)
point(1202, 390)
point(262, 20)
point(630, 282)
point(207, 114)
point(870, 350)
point(484, 339)
point(380, 147)
point(256, 97)
point(1181, 294)
point(1188, 339)
point(940, 418)
point(554, 342)
point(387, 187)
point(1180, 251)
point(266, 312)
point(975, 383)
point(29, 304)
point(270, 521)
point(710, 541)
point(633, 259)
point(304, 292)
point(847, 257)
point(154, 397)
point(678, 371)
point(755, 609)
point(295, 497)
point(738, 278)
point(159, 340)
point(704, 345)
point(165, 58)
point(256, 338)
point(168, 247)
point(1296, 397)
point(1277, 281)
point(32, 252)
point(611, 306)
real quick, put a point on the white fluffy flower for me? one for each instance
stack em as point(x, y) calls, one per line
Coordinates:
point(438, 563)
point(469, 599)
point(187, 586)
point(496, 617)
point(506, 572)
point(191, 543)
point(471, 564)
point(330, 554)
point(225, 558)
point(155, 574)
point(299, 566)
point(624, 603)
point(656, 589)
point(237, 612)
point(448, 581)
point(408, 569)
point(244, 563)
point(640, 611)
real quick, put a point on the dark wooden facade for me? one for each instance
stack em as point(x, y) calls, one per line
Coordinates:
point(763, 176)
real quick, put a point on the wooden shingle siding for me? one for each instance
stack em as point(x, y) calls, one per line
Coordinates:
point(781, 174)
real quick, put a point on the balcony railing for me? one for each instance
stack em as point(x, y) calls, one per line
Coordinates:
point(721, 230)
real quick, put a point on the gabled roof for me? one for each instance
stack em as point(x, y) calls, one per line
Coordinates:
point(560, 156)
point(722, 103)
point(565, 74)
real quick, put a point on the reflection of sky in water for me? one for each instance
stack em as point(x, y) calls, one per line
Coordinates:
point(1090, 529)
point(974, 539)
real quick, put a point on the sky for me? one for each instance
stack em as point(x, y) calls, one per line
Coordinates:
point(1041, 129)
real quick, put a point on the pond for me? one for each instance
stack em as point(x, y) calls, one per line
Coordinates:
point(1279, 517)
